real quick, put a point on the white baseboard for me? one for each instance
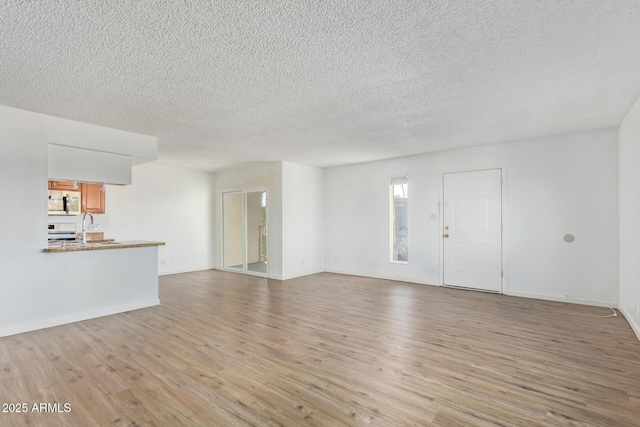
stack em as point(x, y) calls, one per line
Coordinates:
point(562, 299)
point(190, 270)
point(632, 322)
point(77, 317)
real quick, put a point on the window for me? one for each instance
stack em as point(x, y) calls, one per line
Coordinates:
point(399, 190)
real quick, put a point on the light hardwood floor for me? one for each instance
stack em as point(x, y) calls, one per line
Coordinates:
point(225, 349)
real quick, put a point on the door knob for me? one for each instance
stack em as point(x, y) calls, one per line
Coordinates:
point(446, 227)
point(446, 235)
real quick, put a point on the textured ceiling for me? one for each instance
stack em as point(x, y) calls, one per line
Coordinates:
point(322, 82)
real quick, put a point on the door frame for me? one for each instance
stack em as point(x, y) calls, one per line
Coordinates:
point(503, 240)
point(244, 193)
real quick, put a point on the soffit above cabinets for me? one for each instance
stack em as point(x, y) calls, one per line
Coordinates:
point(78, 164)
point(88, 153)
point(141, 148)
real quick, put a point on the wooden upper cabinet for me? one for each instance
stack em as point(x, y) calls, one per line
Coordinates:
point(93, 198)
point(62, 185)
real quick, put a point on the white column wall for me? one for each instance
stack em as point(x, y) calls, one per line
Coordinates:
point(302, 220)
point(629, 139)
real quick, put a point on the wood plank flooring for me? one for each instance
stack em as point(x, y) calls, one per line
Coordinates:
point(225, 349)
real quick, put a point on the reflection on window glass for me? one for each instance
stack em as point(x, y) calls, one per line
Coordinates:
point(399, 219)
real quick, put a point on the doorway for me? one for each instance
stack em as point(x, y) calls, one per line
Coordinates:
point(472, 230)
point(244, 217)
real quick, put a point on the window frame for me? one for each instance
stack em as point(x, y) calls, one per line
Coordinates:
point(395, 180)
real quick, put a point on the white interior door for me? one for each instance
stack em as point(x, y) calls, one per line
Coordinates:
point(472, 235)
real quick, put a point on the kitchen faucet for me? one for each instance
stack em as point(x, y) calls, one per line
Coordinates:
point(84, 227)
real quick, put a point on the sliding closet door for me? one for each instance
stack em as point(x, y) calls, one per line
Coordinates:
point(245, 231)
point(256, 214)
point(233, 231)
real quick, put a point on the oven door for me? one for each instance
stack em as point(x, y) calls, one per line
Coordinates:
point(63, 202)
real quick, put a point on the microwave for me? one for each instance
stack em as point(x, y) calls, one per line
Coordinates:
point(64, 202)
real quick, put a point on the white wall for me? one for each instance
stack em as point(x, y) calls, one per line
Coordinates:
point(554, 185)
point(254, 177)
point(302, 220)
point(166, 204)
point(23, 173)
point(629, 184)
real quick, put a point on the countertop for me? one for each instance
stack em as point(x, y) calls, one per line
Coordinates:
point(75, 247)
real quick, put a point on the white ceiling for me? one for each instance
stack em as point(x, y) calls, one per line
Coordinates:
point(322, 82)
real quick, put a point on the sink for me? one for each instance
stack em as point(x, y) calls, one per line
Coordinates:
point(102, 243)
point(65, 243)
point(75, 244)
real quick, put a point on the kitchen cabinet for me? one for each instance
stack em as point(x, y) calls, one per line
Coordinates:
point(93, 198)
point(62, 185)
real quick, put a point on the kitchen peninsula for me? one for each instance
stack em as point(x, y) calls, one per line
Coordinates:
point(105, 278)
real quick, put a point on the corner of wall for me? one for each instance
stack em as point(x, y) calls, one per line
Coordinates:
point(302, 220)
point(629, 210)
point(632, 322)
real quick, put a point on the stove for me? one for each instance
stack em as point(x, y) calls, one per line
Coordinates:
point(62, 231)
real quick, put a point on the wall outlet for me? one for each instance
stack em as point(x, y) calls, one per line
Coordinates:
point(162, 261)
